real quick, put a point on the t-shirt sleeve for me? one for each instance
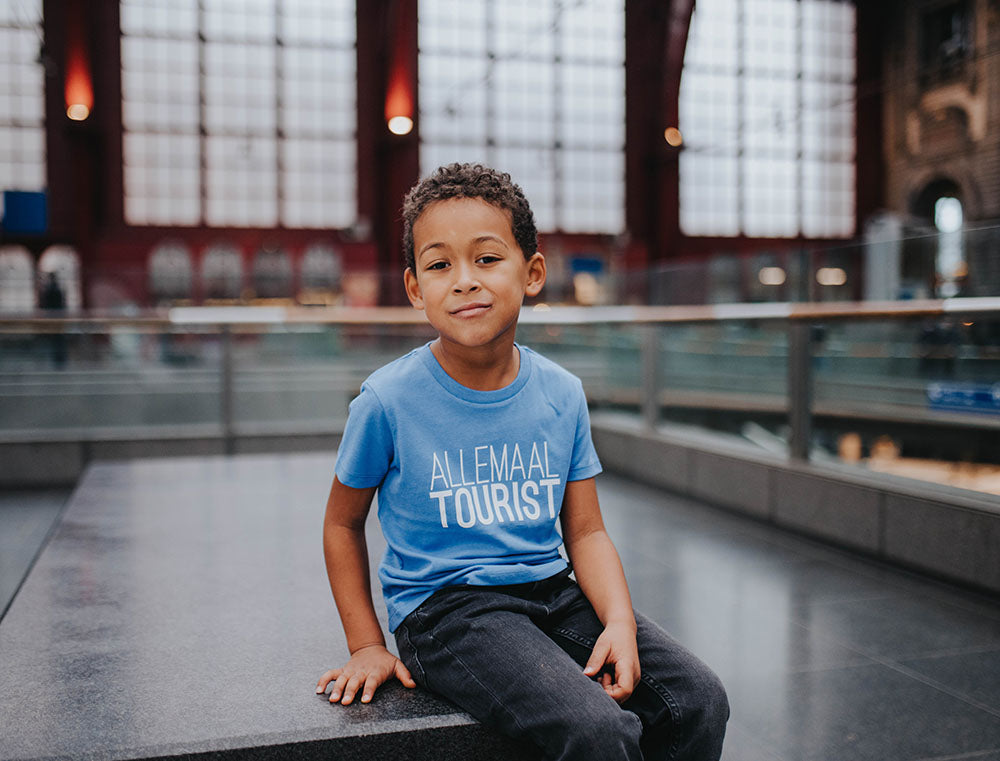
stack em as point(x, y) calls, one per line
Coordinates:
point(366, 448)
point(585, 463)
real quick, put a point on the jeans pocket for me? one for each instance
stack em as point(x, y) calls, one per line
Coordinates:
point(408, 654)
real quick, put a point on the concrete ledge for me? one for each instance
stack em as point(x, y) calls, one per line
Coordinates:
point(731, 482)
point(59, 458)
point(181, 610)
point(40, 464)
point(828, 507)
point(946, 532)
point(947, 540)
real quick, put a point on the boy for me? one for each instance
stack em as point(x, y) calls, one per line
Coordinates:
point(476, 446)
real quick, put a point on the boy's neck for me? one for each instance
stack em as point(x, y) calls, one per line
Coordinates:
point(484, 368)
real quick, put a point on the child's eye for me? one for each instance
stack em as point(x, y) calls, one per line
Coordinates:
point(489, 258)
point(437, 266)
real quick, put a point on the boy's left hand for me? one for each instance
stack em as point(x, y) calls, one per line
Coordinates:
point(616, 647)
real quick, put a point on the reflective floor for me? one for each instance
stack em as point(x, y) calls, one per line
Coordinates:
point(826, 656)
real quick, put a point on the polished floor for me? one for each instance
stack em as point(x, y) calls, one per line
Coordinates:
point(826, 656)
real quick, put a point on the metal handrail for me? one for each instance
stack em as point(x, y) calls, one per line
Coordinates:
point(251, 316)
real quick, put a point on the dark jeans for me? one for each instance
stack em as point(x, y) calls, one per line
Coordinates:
point(513, 658)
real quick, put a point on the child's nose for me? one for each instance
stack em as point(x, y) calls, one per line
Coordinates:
point(465, 280)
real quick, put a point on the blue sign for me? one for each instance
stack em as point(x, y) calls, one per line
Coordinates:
point(964, 397)
point(583, 263)
point(24, 212)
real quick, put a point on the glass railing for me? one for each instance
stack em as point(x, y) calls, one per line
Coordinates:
point(911, 388)
point(115, 379)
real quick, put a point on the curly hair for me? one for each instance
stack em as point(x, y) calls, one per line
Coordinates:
point(470, 181)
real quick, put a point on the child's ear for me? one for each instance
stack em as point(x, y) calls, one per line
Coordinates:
point(536, 274)
point(412, 289)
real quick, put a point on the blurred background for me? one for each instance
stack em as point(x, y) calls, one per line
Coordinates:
point(202, 151)
point(160, 157)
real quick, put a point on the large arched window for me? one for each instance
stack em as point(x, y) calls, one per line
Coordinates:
point(535, 88)
point(239, 114)
point(767, 114)
point(22, 97)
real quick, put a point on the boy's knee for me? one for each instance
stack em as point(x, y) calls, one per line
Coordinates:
point(715, 704)
point(703, 726)
point(609, 734)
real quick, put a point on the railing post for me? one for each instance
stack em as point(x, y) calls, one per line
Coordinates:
point(226, 390)
point(799, 388)
point(650, 375)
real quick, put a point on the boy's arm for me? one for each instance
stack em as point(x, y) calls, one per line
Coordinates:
point(346, 553)
point(599, 573)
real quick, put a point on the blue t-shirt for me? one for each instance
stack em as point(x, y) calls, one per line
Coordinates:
point(470, 482)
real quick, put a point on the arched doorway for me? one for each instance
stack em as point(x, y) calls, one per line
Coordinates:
point(938, 209)
point(17, 280)
point(222, 273)
point(170, 272)
point(64, 263)
point(272, 274)
point(320, 274)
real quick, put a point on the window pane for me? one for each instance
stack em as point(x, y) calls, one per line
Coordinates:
point(224, 88)
point(535, 88)
point(767, 114)
point(22, 105)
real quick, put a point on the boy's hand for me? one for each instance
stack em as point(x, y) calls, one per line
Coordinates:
point(368, 668)
point(615, 647)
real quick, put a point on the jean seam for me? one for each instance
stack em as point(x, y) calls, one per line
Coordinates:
point(416, 656)
point(675, 711)
point(576, 637)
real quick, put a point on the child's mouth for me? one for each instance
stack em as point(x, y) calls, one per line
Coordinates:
point(470, 310)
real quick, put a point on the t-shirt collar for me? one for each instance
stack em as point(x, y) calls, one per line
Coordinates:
point(467, 394)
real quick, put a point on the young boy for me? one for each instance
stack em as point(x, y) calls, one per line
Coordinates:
point(477, 446)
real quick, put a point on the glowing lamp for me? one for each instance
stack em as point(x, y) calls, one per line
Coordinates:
point(673, 137)
point(78, 111)
point(400, 125)
point(831, 276)
point(399, 100)
point(79, 86)
point(771, 276)
point(401, 79)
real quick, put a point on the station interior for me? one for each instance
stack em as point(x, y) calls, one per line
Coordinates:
point(772, 237)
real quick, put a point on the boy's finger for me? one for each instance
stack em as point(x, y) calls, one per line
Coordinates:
point(371, 684)
point(403, 674)
point(350, 690)
point(338, 687)
point(630, 681)
point(626, 674)
point(619, 693)
point(598, 657)
point(324, 680)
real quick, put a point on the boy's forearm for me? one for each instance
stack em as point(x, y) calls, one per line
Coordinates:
point(598, 571)
point(346, 553)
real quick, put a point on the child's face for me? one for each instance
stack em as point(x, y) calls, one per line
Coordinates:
point(470, 275)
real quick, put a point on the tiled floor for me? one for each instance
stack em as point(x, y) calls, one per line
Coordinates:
point(826, 656)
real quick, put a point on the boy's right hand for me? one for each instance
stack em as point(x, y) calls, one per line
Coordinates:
point(368, 668)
